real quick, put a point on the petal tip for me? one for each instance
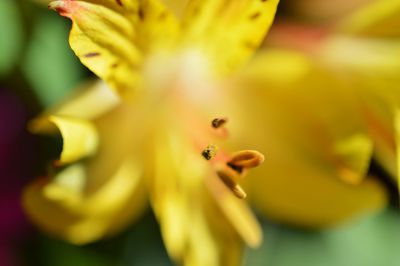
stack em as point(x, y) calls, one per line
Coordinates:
point(56, 6)
point(63, 7)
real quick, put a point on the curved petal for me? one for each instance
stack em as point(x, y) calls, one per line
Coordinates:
point(79, 136)
point(97, 28)
point(379, 18)
point(73, 120)
point(90, 100)
point(111, 37)
point(96, 125)
point(310, 127)
point(60, 207)
point(228, 31)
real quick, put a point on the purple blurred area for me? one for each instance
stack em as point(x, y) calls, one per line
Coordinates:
point(16, 168)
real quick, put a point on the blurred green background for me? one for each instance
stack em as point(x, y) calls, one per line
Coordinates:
point(38, 67)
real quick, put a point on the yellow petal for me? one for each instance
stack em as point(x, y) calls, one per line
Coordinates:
point(228, 31)
point(111, 37)
point(380, 18)
point(79, 136)
point(195, 230)
point(158, 28)
point(310, 128)
point(122, 132)
point(176, 6)
point(102, 37)
point(89, 100)
point(60, 207)
point(369, 65)
point(237, 212)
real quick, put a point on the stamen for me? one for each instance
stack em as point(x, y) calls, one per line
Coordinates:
point(238, 169)
point(230, 178)
point(246, 159)
point(239, 192)
point(231, 171)
point(209, 152)
point(219, 122)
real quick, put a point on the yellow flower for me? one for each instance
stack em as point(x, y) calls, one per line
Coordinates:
point(364, 52)
point(155, 134)
point(342, 107)
point(180, 78)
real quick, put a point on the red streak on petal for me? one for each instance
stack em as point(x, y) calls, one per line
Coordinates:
point(61, 10)
point(64, 8)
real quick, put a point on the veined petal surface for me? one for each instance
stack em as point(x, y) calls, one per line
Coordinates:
point(74, 120)
point(229, 31)
point(112, 37)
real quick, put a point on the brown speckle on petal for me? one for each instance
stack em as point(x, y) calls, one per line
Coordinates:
point(255, 16)
point(141, 14)
point(92, 54)
point(119, 2)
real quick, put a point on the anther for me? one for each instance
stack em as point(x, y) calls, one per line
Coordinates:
point(230, 178)
point(246, 159)
point(209, 152)
point(239, 192)
point(218, 122)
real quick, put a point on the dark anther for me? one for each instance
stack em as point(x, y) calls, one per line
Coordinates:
point(218, 122)
point(209, 152)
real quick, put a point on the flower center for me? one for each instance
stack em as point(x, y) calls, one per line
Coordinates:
point(231, 169)
point(183, 85)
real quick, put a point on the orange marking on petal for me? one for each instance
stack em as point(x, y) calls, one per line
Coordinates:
point(64, 7)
